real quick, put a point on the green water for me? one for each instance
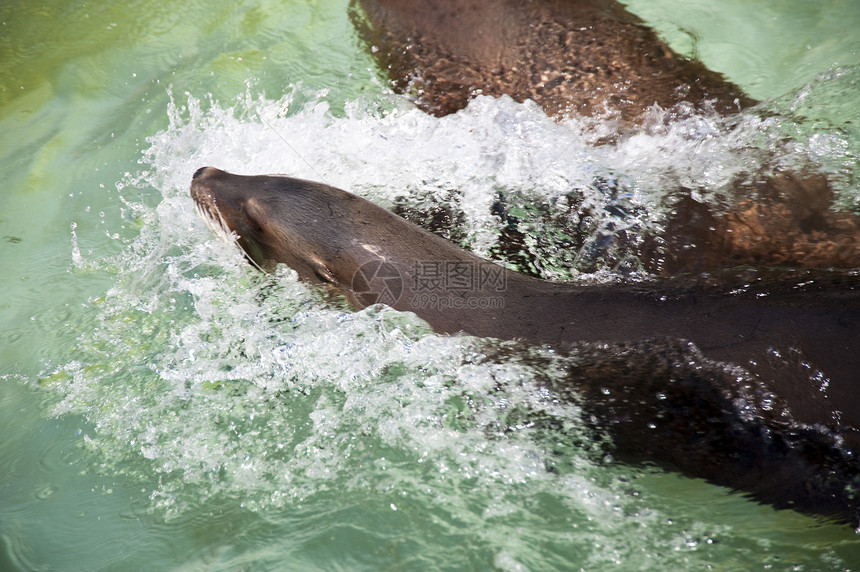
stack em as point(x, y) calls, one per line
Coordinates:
point(165, 407)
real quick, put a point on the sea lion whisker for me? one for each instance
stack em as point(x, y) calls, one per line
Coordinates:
point(214, 219)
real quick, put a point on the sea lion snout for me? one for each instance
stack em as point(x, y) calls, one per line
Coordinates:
point(199, 190)
point(209, 190)
point(203, 172)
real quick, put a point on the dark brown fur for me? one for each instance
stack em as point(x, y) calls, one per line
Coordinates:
point(753, 389)
point(571, 57)
point(593, 58)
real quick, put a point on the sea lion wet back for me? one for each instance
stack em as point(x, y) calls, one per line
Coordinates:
point(593, 58)
point(574, 57)
point(724, 386)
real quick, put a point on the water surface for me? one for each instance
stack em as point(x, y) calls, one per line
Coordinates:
point(165, 406)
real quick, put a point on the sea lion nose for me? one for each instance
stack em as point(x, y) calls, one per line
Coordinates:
point(202, 171)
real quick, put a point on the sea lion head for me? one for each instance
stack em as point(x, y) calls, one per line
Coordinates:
point(325, 234)
point(279, 219)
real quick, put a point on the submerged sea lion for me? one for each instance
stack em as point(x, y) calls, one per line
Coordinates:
point(580, 57)
point(752, 389)
point(594, 58)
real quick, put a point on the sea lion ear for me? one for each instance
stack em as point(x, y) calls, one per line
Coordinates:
point(322, 271)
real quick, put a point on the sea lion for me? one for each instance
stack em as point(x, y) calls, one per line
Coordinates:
point(752, 389)
point(594, 58)
point(574, 57)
